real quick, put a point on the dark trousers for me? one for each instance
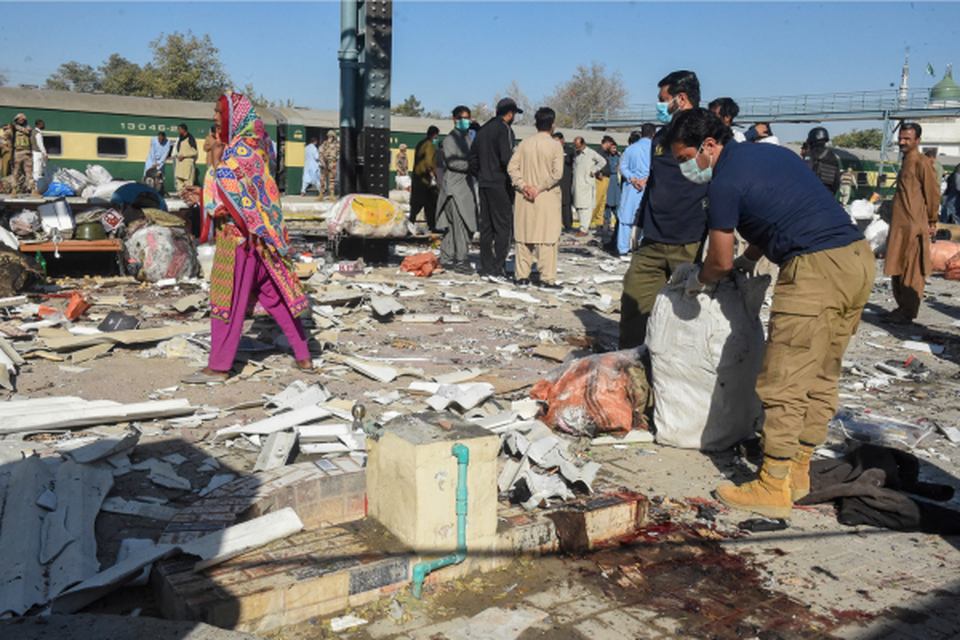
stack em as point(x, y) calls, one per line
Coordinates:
point(566, 215)
point(496, 229)
point(423, 196)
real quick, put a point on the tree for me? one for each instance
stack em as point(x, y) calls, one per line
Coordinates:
point(3, 77)
point(260, 100)
point(481, 112)
point(590, 90)
point(513, 91)
point(409, 107)
point(857, 139)
point(74, 76)
point(121, 77)
point(185, 67)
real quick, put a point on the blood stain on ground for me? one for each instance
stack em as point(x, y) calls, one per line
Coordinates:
point(705, 590)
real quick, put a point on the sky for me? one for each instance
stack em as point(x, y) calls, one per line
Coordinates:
point(452, 52)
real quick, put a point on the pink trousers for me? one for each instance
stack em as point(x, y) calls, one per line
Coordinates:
point(251, 277)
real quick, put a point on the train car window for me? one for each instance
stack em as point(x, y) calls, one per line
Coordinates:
point(862, 179)
point(53, 143)
point(111, 147)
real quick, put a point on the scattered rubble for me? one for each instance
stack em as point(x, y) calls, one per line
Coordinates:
point(386, 344)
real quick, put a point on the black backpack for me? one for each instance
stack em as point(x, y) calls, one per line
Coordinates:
point(827, 167)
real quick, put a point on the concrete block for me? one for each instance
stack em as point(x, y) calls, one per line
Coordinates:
point(412, 481)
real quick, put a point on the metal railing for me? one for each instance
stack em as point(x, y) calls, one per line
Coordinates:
point(862, 105)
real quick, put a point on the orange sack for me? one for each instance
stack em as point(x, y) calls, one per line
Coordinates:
point(604, 393)
point(421, 264)
point(941, 251)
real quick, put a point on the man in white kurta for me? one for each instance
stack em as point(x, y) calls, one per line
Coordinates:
point(311, 168)
point(535, 171)
point(587, 165)
point(39, 154)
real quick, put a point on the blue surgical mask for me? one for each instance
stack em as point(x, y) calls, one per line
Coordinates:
point(663, 111)
point(462, 124)
point(692, 172)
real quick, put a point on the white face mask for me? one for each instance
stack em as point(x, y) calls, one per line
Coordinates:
point(692, 171)
point(663, 111)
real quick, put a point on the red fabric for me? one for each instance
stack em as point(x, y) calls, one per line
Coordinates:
point(223, 132)
point(421, 265)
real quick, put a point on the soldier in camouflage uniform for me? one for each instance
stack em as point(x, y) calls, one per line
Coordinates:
point(6, 151)
point(329, 154)
point(22, 167)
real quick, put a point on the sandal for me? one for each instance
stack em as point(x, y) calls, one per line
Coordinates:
point(306, 366)
point(200, 377)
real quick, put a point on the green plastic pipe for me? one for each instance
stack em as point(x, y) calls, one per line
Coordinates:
point(421, 569)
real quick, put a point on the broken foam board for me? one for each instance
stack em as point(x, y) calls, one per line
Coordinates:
point(134, 336)
point(83, 416)
point(279, 422)
point(213, 549)
point(384, 306)
point(104, 448)
point(276, 450)
point(116, 504)
point(378, 373)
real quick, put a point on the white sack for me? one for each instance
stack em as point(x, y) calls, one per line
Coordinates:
point(706, 351)
point(367, 216)
point(162, 252)
point(862, 210)
point(97, 174)
point(876, 234)
point(73, 179)
point(105, 190)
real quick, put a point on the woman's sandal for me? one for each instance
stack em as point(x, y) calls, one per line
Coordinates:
point(306, 366)
point(202, 377)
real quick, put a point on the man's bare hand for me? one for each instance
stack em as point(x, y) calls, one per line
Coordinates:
point(530, 193)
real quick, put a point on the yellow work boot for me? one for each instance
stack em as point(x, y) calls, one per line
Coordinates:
point(800, 472)
point(768, 495)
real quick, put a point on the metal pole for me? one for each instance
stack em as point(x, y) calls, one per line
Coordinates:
point(349, 66)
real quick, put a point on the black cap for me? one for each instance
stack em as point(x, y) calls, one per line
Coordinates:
point(506, 105)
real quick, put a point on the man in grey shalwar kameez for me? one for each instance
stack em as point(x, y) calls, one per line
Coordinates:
point(456, 204)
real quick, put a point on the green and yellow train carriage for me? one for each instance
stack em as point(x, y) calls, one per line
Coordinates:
point(115, 131)
point(112, 131)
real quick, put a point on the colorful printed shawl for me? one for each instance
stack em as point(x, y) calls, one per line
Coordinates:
point(242, 193)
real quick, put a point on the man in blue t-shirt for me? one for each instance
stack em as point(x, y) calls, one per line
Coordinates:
point(671, 216)
point(827, 270)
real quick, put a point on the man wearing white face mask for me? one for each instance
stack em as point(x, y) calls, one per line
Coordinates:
point(671, 216)
point(827, 270)
point(457, 206)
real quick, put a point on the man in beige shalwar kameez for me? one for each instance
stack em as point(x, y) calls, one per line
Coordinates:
point(535, 171)
point(916, 206)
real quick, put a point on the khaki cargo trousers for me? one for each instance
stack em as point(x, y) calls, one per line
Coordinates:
point(816, 309)
point(650, 268)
